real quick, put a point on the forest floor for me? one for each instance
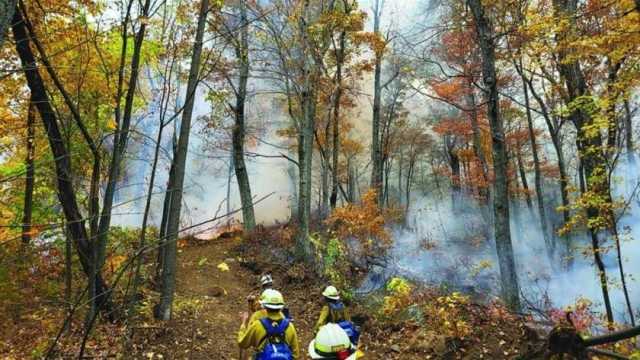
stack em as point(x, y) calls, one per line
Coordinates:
point(215, 277)
point(213, 284)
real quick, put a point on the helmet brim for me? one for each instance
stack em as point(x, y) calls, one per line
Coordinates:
point(312, 351)
point(315, 355)
point(334, 297)
point(273, 306)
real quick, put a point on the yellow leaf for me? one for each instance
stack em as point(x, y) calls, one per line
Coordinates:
point(223, 266)
point(111, 124)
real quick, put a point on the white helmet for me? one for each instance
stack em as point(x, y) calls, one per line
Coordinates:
point(272, 299)
point(266, 280)
point(330, 341)
point(331, 292)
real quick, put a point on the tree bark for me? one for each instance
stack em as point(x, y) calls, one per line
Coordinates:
point(376, 151)
point(306, 137)
point(544, 226)
point(590, 145)
point(477, 140)
point(75, 222)
point(484, 30)
point(523, 178)
point(7, 8)
point(164, 309)
point(336, 117)
point(628, 127)
point(239, 130)
point(120, 141)
point(30, 176)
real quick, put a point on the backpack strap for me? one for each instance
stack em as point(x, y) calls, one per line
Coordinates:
point(336, 311)
point(338, 305)
point(273, 330)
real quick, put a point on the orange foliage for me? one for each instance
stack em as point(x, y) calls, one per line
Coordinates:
point(364, 222)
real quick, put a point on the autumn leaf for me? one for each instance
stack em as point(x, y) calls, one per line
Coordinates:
point(223, 266)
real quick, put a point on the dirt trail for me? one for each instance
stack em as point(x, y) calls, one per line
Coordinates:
point(208, 303)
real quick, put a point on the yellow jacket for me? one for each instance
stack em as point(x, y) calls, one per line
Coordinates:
point(257, 315)
point(328, 315)
point(254, 334)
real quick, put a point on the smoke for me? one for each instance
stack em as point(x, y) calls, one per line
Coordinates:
point(445, 245)
point(207, 179)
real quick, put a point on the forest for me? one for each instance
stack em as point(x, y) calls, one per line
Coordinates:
point(464, 172)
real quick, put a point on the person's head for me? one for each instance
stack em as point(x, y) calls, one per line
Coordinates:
point(266, 281)
point(331, 294)
point(331, 342)
point(272, 300)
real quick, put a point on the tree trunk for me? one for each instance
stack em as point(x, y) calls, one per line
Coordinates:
point(324, 188)
point(536, 169)
point(589, 144)
point(628, 125)
point(351, 184)
point(30, 174)
point(376, 150)
point(120, 143)
point(7, 8)
point(557, 145)
point(305, 139)
point(400, 192)
point(164, 310)
point(64, 175)
point(145, 216)
point(454, 163)
point(523, 178)
point(477, 141)
point(484, 30)
point(336, 118)
point(238, 133)
point(162, 242)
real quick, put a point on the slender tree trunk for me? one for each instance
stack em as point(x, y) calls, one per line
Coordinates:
point(162, 242)
point(336, 118)
point(523, 178)
point(120, 143)
point(351, 192)
point(230, 171)
point(484, 30)
point(239, 130)
point(557, 145)
point(590, 146)
point(137, 279)
point(410, 170)
point(544, 226)
point(400, 192)
point(164, 309)
point(477, 142)
point(30, 176)
point(628, 125)
point(64, 184)
point(324, 188)
point(376, 150)
point(454, 164)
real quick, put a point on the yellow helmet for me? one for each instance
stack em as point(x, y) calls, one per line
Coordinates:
point(331, 292)
point(330, 341)
point(272, 299)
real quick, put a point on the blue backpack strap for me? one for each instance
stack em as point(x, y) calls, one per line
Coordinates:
point(338, 305)
point(274, 330)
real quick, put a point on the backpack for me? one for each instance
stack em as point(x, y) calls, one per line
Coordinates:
point(337, 310)
point(276, 347)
